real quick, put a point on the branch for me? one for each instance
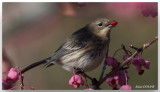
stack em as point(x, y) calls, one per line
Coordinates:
point(104, 67)
point(120, 67)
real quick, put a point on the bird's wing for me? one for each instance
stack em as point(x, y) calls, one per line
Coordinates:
point(66, 48)
point(69, 46)
point(76, 41)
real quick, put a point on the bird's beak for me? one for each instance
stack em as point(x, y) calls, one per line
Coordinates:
point(113, 23)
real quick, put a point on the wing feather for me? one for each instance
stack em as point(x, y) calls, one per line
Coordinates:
point(78, 40)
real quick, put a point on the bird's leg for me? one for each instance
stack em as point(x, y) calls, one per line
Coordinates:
point(77, 70)
point(81, 71)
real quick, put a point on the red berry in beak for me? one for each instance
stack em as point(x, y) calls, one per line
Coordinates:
point(113, 23)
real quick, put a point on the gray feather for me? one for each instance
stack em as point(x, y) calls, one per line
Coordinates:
point(78, 40)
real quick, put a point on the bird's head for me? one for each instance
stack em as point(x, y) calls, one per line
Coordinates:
point(101, 27)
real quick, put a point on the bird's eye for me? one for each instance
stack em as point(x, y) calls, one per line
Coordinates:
point(100, 24)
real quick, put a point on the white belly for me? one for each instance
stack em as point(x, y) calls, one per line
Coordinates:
point(80, 60)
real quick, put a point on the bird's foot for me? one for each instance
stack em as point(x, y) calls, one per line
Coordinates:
point(78, 71)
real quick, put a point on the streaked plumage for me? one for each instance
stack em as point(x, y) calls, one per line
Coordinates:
point(85, 48)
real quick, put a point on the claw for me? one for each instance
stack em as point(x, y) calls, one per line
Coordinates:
point(78, 70)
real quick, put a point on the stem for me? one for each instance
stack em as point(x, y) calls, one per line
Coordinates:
point(13, 87)
point(104, 64)
point(85, 79)
point(125, 50)
point(124, 63)
point(126, 77)
point(103, 68)
point(21, 79)
point(29, 87)
point(116, 51)
point(88, 76)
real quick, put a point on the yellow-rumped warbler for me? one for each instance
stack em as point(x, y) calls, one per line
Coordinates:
point(84, 49)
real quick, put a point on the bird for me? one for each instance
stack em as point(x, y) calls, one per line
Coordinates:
point(84, 49)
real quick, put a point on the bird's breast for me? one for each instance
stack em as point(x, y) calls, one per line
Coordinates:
point(85, 59)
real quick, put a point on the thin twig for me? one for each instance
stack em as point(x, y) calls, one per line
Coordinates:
point(125, 62)
point(29, 87)
point(85, 79)
point(13, 87)
point(104, 67)
point(87, 76)
point(125, 50)
point(116, 51)
point(104, 63)
point(21, 87)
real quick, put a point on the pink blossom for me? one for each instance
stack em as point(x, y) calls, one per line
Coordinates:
point(76, 81)
point(149, 9)
point(88, 89)
point(139, 69)
point(138, 62)
point(120, 9)
point(123, 77)
point(126, 87)
point(112, 81)
point(111, 62)
point(120, 78)
point(12, 75)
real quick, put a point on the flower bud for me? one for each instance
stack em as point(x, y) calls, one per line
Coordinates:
point(12, 75)
point(126, 87)
point(111, 62)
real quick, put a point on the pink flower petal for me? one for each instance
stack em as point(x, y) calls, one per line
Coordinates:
point(116, 77)
point(111, 61)
point(88, 89)
point(147, 64)
point(112, 81)
point(138, 62)
point(76, 86)
point(141, 61)
point(12, 75)
point(71, 80)
point(126, 87)
point(122, 77)
point(109, 79)
point(76, 81)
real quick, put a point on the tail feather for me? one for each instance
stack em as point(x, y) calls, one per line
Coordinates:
point(49, 63)
point(44, 61)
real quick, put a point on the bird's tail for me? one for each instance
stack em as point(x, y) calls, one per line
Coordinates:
point(44, 61)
